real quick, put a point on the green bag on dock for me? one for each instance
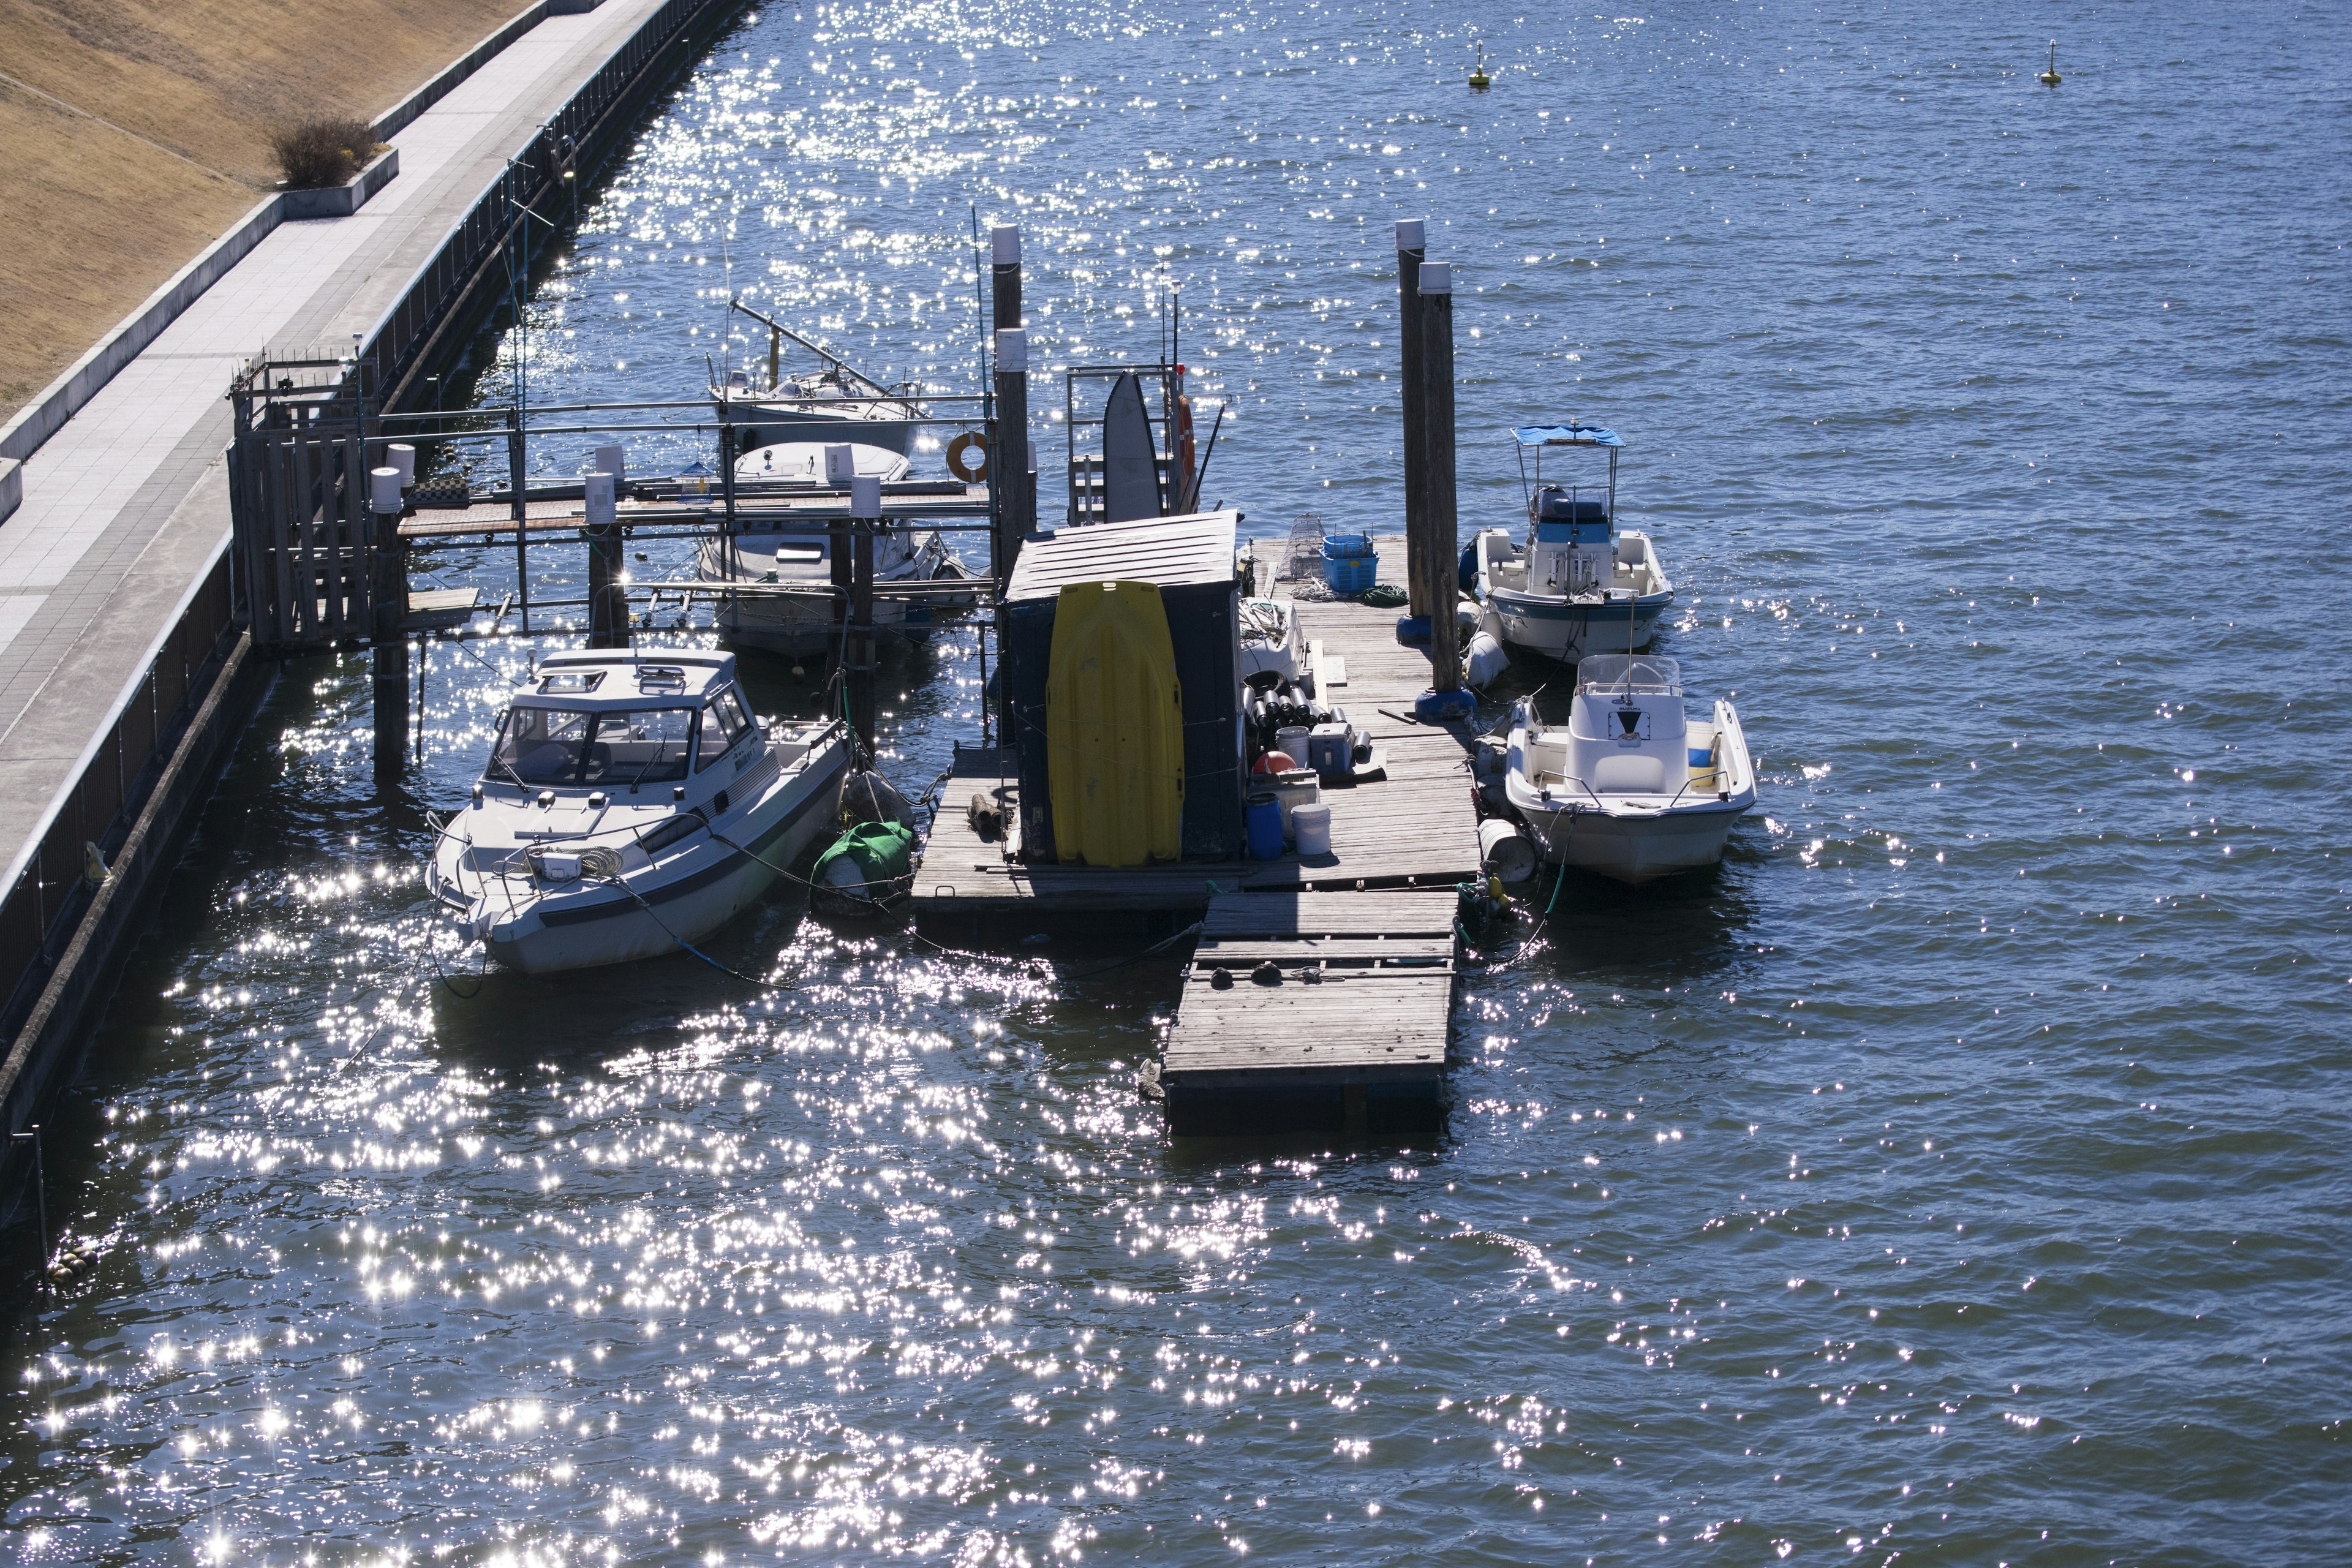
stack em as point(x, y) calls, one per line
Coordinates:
point(867, 860)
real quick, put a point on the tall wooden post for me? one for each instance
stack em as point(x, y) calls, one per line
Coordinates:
point(1008, 460)
point(1412, 244)
point(1004, 275)
point(388, 595)
point(866, 510)
point(608, 596)
point(1440, 533)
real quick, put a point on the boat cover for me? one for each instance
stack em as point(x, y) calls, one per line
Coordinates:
point(1570, 434)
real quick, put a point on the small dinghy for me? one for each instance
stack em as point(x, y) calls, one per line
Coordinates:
point(1624, 781)
point(631, 806)
point(784, 550)
point(1578, 585)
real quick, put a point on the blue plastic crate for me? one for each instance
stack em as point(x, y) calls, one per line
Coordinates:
point(1350, 574)
point(1347, 546)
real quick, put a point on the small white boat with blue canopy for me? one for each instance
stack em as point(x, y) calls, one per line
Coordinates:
point(1619, 780)
point(631, 806)
point(1578, 585)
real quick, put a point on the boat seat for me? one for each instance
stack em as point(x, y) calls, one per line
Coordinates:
point(1629, 773)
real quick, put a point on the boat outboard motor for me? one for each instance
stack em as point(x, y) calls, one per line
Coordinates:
point(1570, 553)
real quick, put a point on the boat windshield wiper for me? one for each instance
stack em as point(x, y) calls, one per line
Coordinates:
point(499, 761)
point(659, 746)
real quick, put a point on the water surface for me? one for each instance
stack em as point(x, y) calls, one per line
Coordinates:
point(1957, 1176)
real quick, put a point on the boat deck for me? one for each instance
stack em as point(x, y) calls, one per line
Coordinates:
point(1415, 827)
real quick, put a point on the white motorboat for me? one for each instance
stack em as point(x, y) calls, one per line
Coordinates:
point(631, 806)
point(1625, 782)
point(835, 402)
point(1270, 640)
point(1578, 583)
point(771, 549)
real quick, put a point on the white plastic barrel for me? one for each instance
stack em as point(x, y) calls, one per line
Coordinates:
point(401, 455)
point(865, 496)
point(610, 460)
point(1291, 741)
point(600, 501)
point(383, 490)
point(1503, 850)
point(1311, 824)
point(840, 463)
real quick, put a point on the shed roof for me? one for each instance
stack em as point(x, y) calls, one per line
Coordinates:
point(1172, 552)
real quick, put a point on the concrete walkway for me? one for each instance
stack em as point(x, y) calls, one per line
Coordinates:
point(126, 509)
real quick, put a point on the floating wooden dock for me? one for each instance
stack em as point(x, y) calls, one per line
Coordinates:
point(1313, 1012)
point(1415, 827)
point(1361, 1046)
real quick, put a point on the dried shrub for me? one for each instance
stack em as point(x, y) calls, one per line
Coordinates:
point(315, 153)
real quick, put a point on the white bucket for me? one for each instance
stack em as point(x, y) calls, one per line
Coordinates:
point(1291, 741)
point(1311, 824)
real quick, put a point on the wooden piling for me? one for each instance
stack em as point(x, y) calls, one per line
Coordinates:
point(388, 592)
point(866, 503)
point(1440, 527)
point(608, 594)
point(1411, 243)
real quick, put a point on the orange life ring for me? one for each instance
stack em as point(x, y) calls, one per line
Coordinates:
point(957, 450)
point(1184, 476)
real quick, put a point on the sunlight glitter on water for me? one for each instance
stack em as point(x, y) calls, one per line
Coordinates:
point(1953, 1175)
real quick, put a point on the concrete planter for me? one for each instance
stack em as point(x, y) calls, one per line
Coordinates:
point(343, 200)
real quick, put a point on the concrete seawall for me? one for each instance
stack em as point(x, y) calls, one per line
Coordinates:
point(123, 671)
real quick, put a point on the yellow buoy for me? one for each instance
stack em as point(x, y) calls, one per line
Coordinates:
point(2050, 77)
point(1479, 81)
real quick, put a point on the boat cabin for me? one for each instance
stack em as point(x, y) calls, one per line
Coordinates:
point(1625, 734)
point(647, 734)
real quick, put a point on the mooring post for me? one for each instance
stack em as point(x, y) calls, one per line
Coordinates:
point(1010, 508)
point(1004, 276)
point(1412, 244)
point(840, 465)
point(1437, 473)
point(388, 594)
point(608, 585)
point(1008, 463)
point(866, 507)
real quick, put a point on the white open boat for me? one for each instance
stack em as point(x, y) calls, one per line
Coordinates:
point(1625, 782)
point(630, 806)
point(782, 551)
point(1578, 585)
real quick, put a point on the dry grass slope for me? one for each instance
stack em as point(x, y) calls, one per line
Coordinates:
point(178, 102)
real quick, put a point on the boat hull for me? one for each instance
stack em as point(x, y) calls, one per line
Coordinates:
point(590, 925)
point(1567, 630)
point(1630, 848)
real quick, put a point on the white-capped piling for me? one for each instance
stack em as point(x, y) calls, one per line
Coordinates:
point(388, 565)
point(866, 513)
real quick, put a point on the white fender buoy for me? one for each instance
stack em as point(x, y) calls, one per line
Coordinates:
point(1505, 851)
point(1484, 661)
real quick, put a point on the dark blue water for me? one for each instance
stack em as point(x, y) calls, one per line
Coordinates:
point(1955, 1176)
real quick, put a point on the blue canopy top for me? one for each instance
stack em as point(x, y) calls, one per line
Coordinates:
point(1567, 436)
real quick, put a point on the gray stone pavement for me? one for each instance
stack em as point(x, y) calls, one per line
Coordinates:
point(126, 509)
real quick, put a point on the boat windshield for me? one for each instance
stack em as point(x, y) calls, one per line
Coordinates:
point(558, 746)
point(1613, 672)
